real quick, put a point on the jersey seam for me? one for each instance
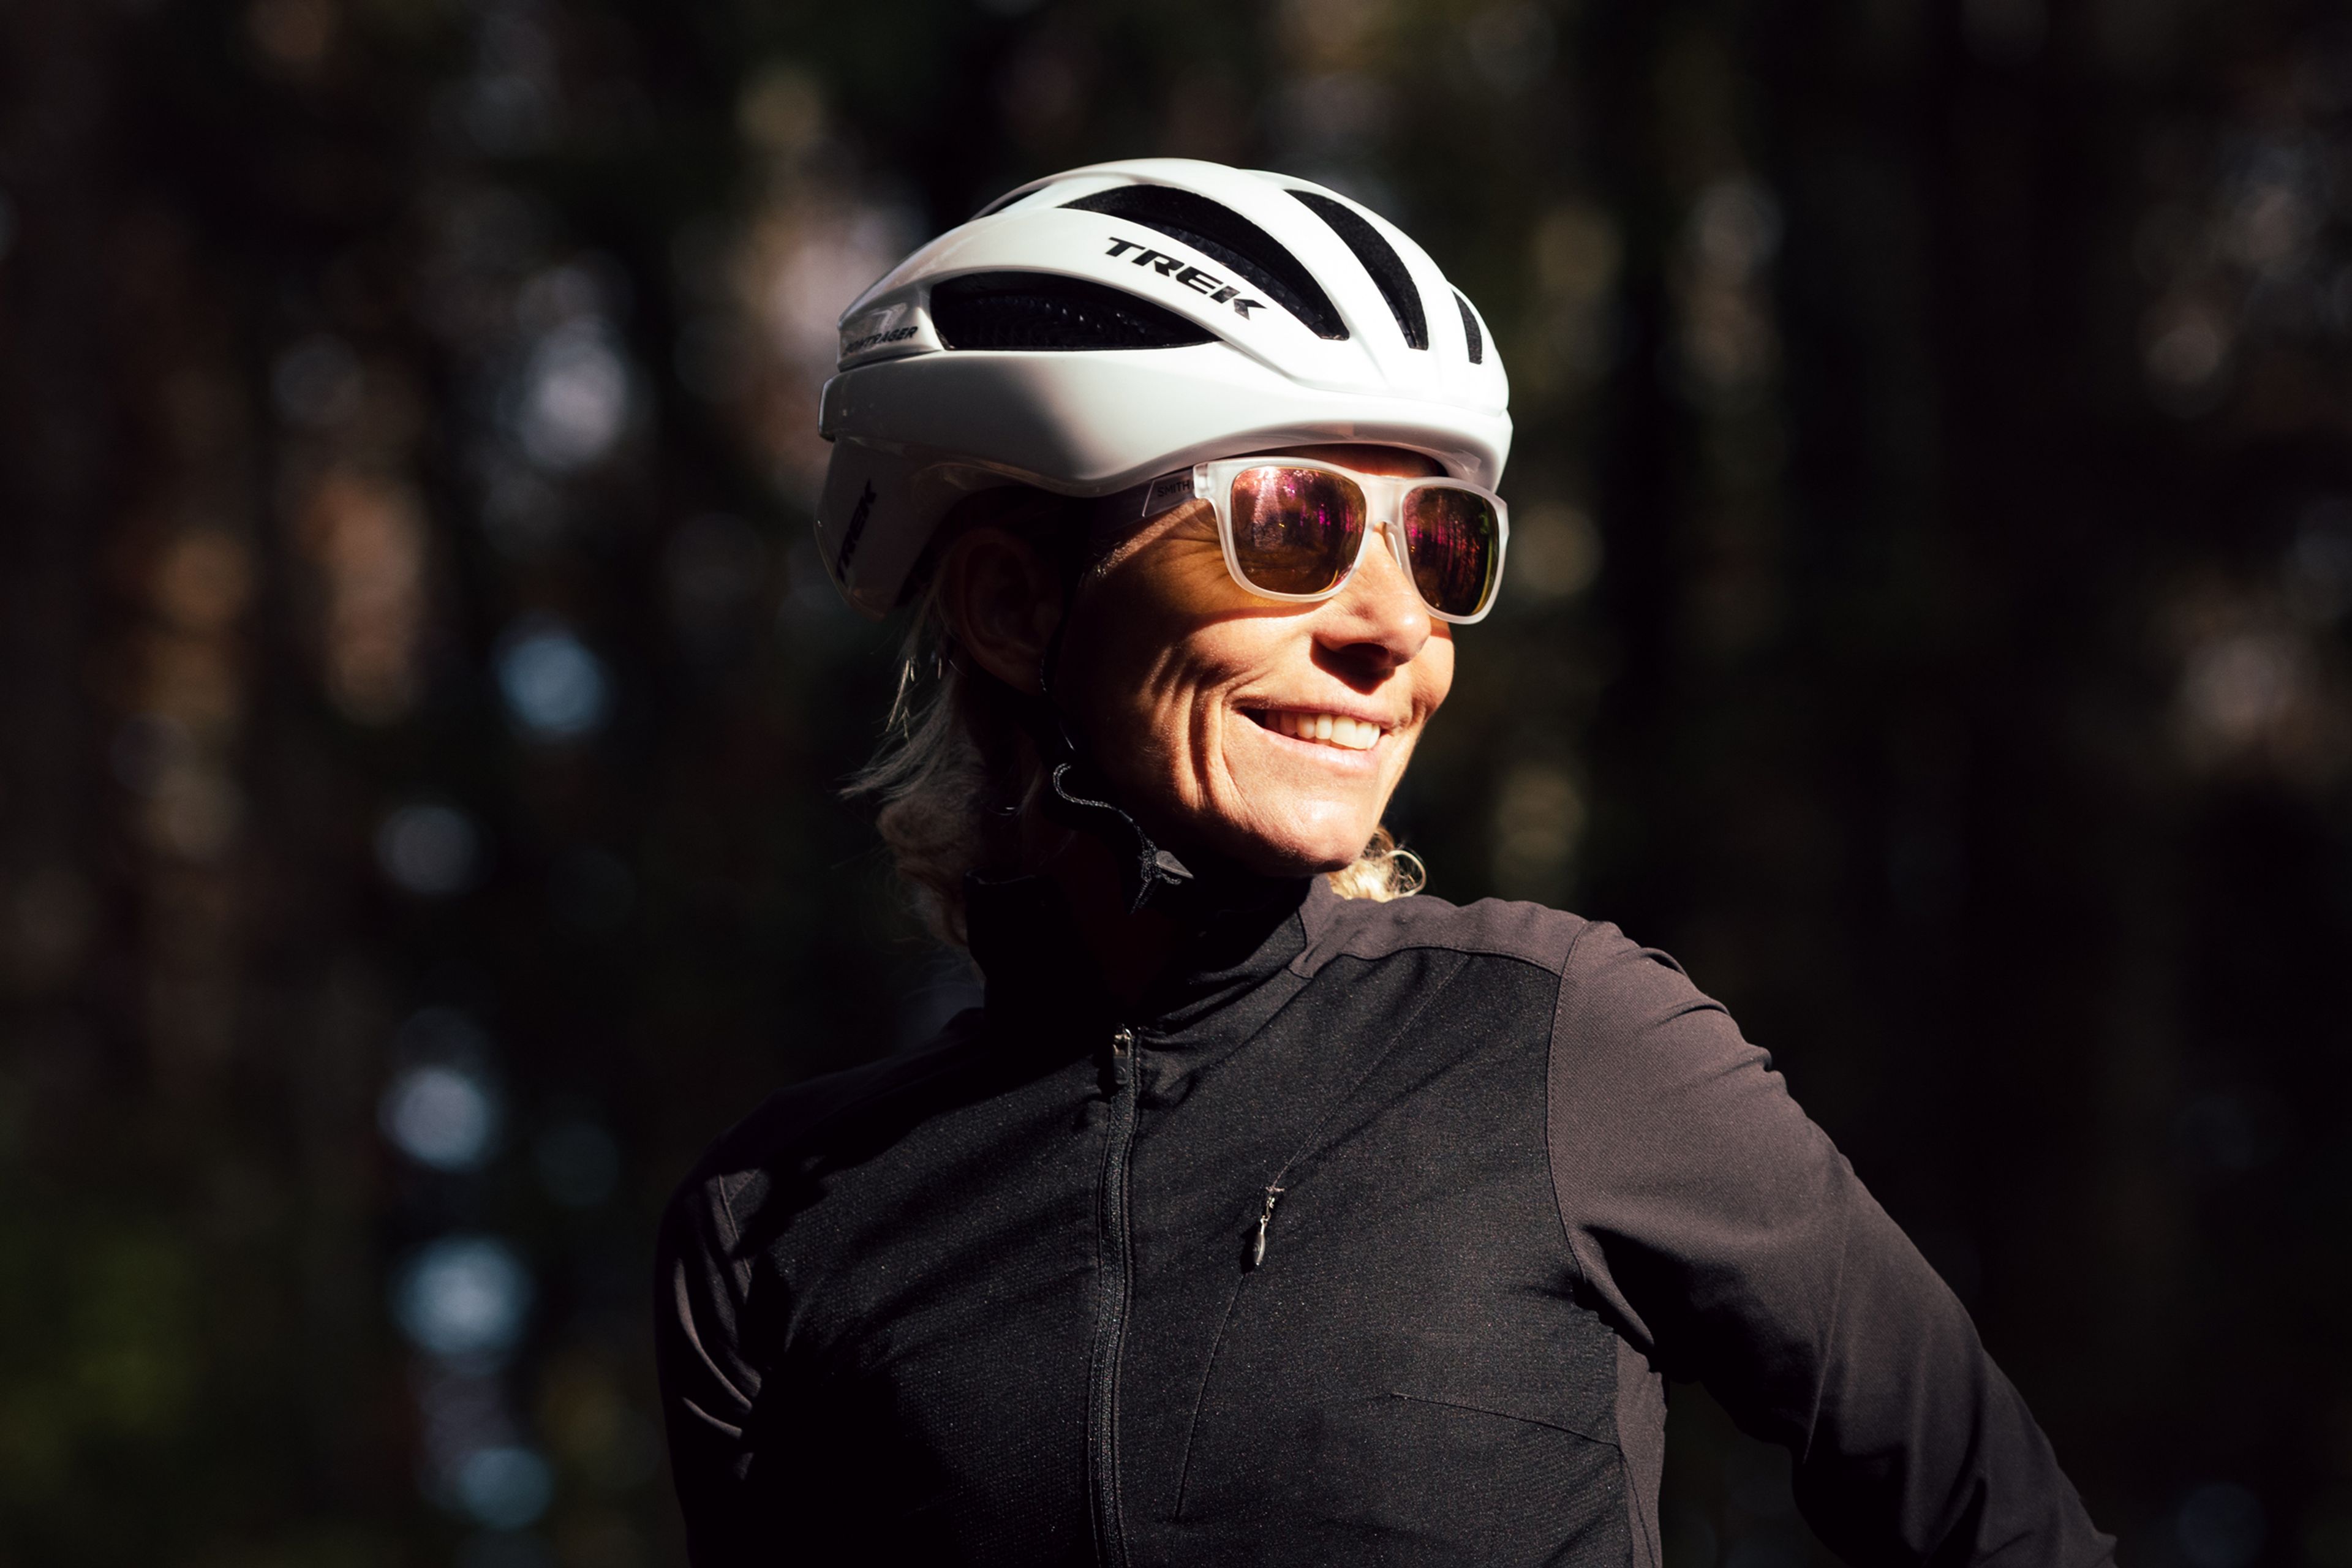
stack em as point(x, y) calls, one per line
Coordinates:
point(1650, 1544)
point(1828, 1334)
point(1640, 1524)
point(1579, 1264)
point(1309, 1145)
point(1462, 948)
point(1477, 1409)
point(731, 1237)
point(1305, 1147)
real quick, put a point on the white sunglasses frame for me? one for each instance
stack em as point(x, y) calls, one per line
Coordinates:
point(1384, 503)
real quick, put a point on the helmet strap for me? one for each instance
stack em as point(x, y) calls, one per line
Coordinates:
point(1079, 797)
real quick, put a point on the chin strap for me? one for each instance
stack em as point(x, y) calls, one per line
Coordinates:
point(1150, 877)
point(1079, 797)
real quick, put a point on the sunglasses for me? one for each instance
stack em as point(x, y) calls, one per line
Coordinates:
point(1296, 528)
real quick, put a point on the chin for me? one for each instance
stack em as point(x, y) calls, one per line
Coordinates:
point(1287, 851)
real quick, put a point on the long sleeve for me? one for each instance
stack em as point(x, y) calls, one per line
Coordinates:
point(1731, 1242)
point(707, 1386)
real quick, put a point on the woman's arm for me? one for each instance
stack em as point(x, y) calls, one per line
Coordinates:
point(707, 1388)
point(1732, 1243)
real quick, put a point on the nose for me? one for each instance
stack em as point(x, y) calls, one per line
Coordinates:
point(1377, 622)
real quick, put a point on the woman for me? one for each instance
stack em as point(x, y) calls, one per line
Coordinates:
point(1263, 1213)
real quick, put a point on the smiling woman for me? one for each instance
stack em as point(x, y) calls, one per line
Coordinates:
point(1271, 734)
point(954, 776)
point(1259, 1215)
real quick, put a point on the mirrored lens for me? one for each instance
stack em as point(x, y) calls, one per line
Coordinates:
point(1296, 531)
point(1450, 537)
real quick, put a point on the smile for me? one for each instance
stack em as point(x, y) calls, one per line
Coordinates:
point(1325, 729)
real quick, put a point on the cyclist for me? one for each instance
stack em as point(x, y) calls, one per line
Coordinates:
point(1263, 1213)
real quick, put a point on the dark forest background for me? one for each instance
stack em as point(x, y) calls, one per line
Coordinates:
point(421, 705)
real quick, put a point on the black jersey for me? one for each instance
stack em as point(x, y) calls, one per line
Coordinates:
point(1371, 1237)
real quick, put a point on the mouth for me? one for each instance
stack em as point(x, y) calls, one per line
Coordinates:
point(1320, 729)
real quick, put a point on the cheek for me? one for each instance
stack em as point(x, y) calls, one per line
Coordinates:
point(1159, 647)
point(1432, 671)
point(1172, 695)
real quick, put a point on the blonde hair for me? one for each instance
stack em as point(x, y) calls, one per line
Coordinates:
point(951, 772)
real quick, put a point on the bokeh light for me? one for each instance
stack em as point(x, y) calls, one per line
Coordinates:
point(463, 1295)
point(1555, 553)
point(317, 381)
point(430, 850)
point(555, 688)
point(444, 1117)
point(505, 1487)
point(575, 397)
point(1538, 818)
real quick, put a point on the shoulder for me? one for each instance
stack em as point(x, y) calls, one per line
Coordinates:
point(1614, 989)
point(1593, 955)
point(1607, 979)
point(1610, 988)
point(1640, 1051)
point(1596, 962)
point(802, 1123)
point(1496, 928)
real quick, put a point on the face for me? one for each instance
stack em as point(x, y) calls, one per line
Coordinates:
point(1269, 732)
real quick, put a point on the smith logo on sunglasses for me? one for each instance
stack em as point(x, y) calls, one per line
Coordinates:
point(1218, 290)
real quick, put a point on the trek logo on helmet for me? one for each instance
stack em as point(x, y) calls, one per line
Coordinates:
point(1218, 290)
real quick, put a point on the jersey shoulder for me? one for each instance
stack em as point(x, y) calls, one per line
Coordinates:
point(799, 1121)
point(1499, 928)
point(1607, 979)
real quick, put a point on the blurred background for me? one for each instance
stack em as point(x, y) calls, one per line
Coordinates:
point(423, 705)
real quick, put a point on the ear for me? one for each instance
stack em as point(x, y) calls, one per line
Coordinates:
point(1001, 600)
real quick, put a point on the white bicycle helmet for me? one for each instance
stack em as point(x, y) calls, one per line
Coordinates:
point(1093, 330)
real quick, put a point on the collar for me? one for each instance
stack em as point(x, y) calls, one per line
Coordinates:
point(1231, 964)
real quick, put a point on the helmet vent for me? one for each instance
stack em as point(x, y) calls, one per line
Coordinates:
point(1045, 310)
point(1470, 332)
point(1380, 260)
point(1228, 238)
point(1001, 202)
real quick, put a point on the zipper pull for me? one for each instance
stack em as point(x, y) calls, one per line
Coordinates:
point(1265, 1218)
point(1116, 1069)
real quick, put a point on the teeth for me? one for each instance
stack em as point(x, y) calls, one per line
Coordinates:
point(1332, 728)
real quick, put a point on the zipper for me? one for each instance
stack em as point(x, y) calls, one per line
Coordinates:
point(1265, 1218)
point(1112, 1289)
